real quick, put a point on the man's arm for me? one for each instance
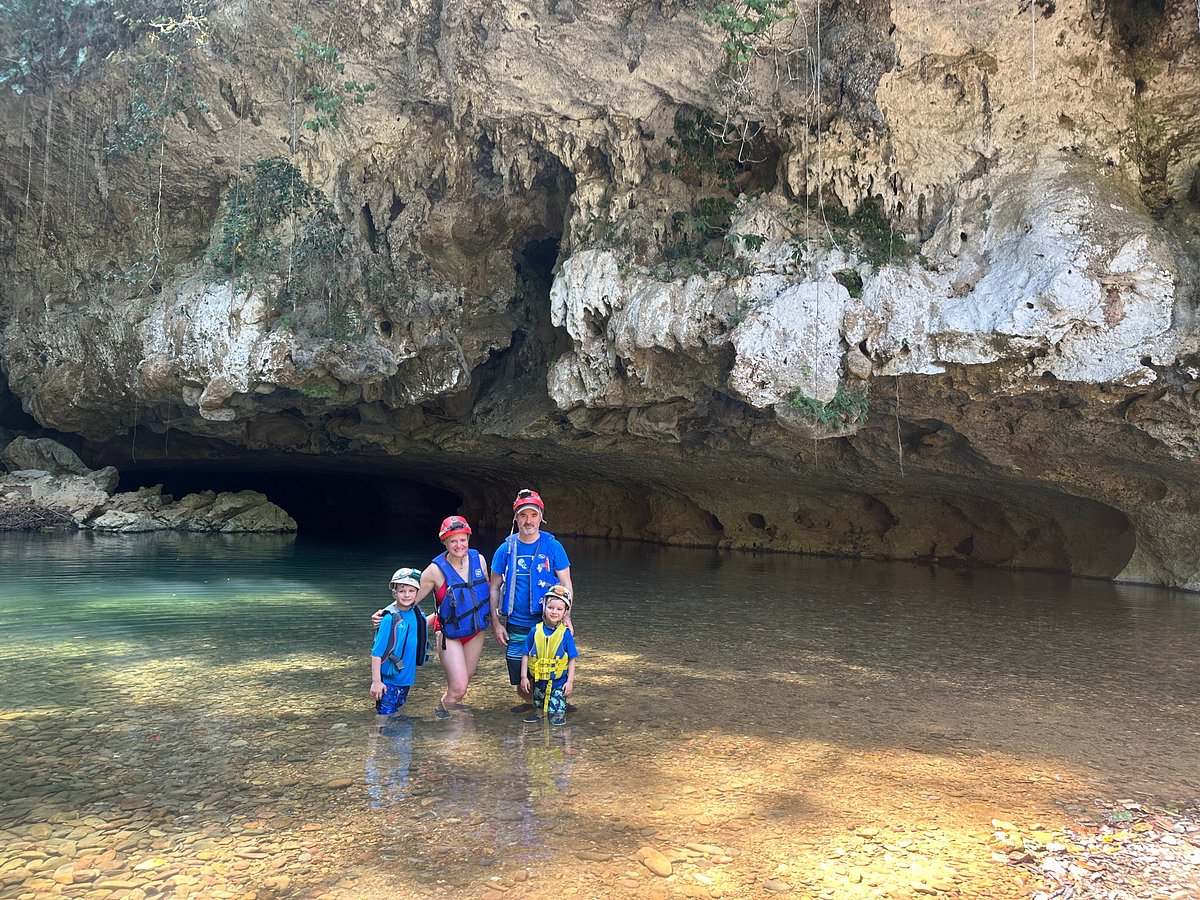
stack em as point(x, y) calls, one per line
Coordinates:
point(564, 578)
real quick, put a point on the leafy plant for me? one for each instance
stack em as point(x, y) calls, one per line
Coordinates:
point(248, 232)
point(331, 90)
point(739, 314)
point(699, 152)
point(846, 407)
point(868, 232)
point(276, 228)
point(157, 91)
point(317, 390)
point(851, 281)
point(709, 218)
point(752, 242)
point(744, 23)
point(696, 234)
point(40, 38)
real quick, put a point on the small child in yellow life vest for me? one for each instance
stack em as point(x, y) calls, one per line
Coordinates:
point(549, 659)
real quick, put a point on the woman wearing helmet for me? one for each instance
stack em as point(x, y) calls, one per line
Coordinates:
point(458, 578)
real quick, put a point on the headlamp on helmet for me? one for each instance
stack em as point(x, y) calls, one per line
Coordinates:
point(528, 499)
point(558, 592)
point(452, 525)
point(411, 577)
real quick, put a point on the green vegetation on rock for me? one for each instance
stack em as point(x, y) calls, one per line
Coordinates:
point(867, 233)
point(330, 89)
point(846, 408)
point(271, 203)
point(745, 23)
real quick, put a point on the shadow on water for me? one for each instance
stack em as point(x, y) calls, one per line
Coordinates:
point(175, 692)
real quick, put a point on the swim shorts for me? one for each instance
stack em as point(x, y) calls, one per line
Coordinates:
point(514, 651)
point(394, 697)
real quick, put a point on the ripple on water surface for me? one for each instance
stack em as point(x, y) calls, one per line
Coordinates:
point(191, 712)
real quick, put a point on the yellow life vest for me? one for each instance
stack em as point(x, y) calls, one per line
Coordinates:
point(547, 664)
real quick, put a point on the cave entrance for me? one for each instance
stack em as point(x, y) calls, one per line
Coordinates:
point(325, 503)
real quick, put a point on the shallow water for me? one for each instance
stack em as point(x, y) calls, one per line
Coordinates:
point(189, 715)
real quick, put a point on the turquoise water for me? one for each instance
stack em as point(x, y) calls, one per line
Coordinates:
point(190, 714)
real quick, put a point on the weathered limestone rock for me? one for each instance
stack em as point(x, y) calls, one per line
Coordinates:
point(45, 454)
point(637, 340)
point(790, 343)
point(124, 522)
point(90, 502)
point(78, 495)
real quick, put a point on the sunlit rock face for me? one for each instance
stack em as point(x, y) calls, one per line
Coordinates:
point(900, 281)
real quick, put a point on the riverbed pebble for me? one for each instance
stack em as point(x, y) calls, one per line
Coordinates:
point(655, 861)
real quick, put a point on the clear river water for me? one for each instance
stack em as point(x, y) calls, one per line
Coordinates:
point(188, 716)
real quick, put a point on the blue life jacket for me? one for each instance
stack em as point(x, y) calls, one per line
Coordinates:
point(466, 608)
point(539, 582)
point(389, 649)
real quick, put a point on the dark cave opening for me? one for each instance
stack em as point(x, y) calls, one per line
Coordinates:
point(326, 502)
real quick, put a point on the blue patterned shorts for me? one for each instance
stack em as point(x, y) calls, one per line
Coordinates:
point(394, 697)
point(514, 651)
point(557, 706)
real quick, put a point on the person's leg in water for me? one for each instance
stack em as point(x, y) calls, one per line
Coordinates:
point(459, 662)
point(513, 654)
point(394, 697)
point(472, 651)
point(539, 699)
point(558, 706)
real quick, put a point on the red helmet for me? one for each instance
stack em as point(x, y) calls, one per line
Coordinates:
point(453, 525)
point(527, 497)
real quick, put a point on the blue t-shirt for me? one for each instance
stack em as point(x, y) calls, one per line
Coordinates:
point(566, 648)
point(405, 649)
point(537, 561)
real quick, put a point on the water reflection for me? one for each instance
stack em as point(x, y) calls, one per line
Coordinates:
point(389, 759)
point(190, 712)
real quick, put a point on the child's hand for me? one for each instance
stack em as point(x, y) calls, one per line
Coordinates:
point(377, 617)
point(568, 686)
point(377, 690)
point(524, 685)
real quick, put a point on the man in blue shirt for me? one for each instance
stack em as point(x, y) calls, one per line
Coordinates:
point(524, 567)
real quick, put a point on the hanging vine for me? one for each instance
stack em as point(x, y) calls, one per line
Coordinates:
point(757, 34)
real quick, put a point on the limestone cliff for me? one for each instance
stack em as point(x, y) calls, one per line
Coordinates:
point(911, 280)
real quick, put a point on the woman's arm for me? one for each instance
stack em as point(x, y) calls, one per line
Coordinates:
point(495, 583)
point(431, 579)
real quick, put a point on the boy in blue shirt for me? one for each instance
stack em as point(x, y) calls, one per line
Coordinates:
point(400, 645)
point(548, 662)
